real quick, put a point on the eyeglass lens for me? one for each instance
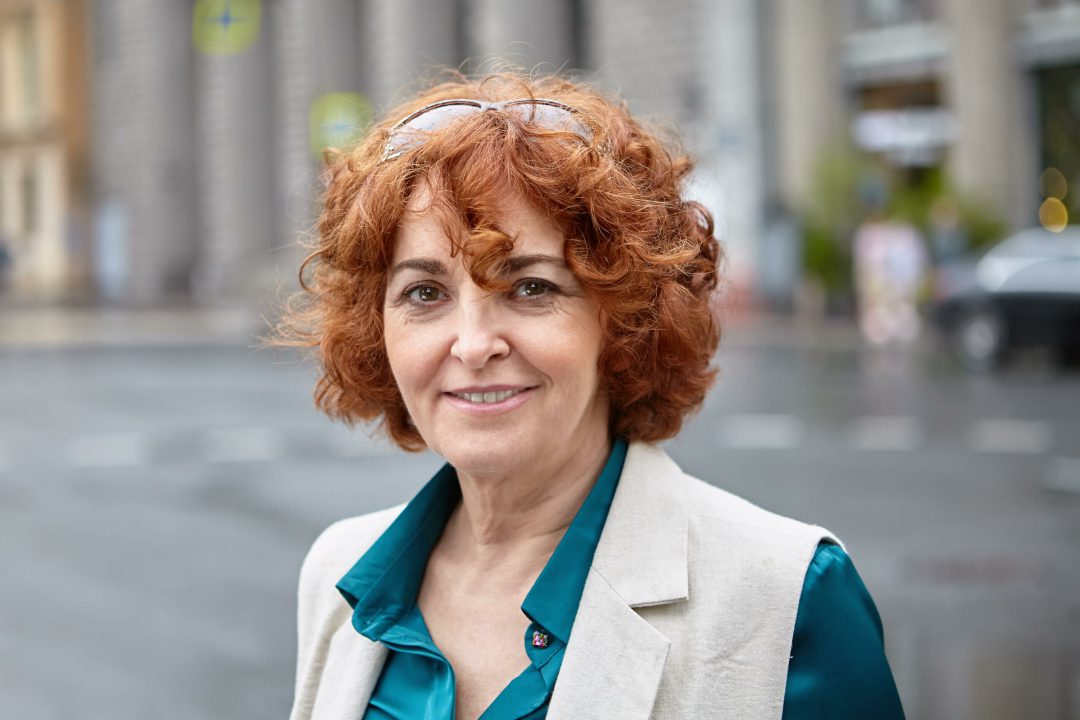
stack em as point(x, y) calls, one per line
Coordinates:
point(411, 131)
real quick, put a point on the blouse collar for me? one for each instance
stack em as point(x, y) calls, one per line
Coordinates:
point(384, 582)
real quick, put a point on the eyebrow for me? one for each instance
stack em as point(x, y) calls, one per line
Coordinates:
point(514, 263)
point(519, 262)
point(424, 265)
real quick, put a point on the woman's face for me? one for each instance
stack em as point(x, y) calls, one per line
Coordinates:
point(495, 381)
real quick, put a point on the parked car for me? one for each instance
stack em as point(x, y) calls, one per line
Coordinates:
point(1023, 292)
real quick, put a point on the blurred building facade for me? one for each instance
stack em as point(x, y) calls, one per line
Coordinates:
point(928, 81)
point(43, 147)
point(979, 96)
point(204, 170)
point(195, 169)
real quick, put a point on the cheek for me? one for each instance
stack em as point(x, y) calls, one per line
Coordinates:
point(572, 354)
point(410, 356)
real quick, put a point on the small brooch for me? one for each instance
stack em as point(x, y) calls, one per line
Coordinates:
point(540, 639)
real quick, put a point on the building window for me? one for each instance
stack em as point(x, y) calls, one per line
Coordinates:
point(906, 124)
point(870, 14)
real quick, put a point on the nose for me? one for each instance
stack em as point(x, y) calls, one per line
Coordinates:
point(479, 334)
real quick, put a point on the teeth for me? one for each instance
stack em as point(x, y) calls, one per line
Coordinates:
point(487, 397)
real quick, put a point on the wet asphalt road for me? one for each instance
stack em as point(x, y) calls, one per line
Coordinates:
point(155, 504)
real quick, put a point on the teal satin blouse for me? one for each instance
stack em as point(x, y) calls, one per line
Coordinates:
point(837, 670)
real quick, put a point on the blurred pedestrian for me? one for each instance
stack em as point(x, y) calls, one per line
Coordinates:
point(890, 272)
point(952, 269)
point(948, 241)
point(508, 274)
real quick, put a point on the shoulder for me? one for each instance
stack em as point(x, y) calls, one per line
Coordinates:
point(321, 610)
point(724, 535)
point(733, 538)
point(342, 543)
point(712, 505)
point(838, 664)
point(833, 588)
point(335, 550)
point(715, 506)
point(744, 568)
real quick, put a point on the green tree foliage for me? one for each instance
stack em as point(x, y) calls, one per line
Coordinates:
point(850, 186)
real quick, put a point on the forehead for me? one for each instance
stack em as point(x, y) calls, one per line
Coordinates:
point(423, 232)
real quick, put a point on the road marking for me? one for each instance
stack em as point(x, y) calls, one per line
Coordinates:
point(885, 432)
point(110, 450)
point(251, 444)
point(1063, 475)
point(773, 432)
point(1011, 436)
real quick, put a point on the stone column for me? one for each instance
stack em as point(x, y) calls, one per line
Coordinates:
point(535, 36)
point(408, 39)
point(982, 86)
point(807, 103)
point(729, 129)
point(142, 148)
point(644, 50)
point(296, 187)
point(236, 181)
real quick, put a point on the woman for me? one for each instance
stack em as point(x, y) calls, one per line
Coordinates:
point(506, 273)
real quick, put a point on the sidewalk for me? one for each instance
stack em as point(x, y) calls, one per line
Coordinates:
point(73, 327)
point(760, 330)
point(68, 327)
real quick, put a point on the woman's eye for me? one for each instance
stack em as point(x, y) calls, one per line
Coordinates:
point(532, 288)
point(425, 294)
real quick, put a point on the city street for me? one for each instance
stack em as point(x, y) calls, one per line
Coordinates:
point(156, 500)
point(166, 168)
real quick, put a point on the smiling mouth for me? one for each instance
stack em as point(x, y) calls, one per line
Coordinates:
point(485, 398)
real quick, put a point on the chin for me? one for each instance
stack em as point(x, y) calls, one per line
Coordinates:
point(486, 453)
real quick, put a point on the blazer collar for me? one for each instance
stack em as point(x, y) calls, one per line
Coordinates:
point(642, 552)
point(615, 658)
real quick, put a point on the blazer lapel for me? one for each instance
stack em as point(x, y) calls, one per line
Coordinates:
point(613, 662)
point(615, 658)
point(355, 663)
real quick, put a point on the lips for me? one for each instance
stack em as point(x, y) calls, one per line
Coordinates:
point(488, 399)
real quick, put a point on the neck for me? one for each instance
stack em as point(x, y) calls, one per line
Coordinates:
point(525, 513)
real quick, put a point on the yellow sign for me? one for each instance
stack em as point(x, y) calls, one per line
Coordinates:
point(225, 27)
point(337, 120)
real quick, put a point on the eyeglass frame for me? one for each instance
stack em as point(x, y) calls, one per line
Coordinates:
point(392, 151)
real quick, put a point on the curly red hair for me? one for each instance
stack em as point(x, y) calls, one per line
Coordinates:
point(646, 255)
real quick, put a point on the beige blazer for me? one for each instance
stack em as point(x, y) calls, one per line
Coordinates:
point(688, 610)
